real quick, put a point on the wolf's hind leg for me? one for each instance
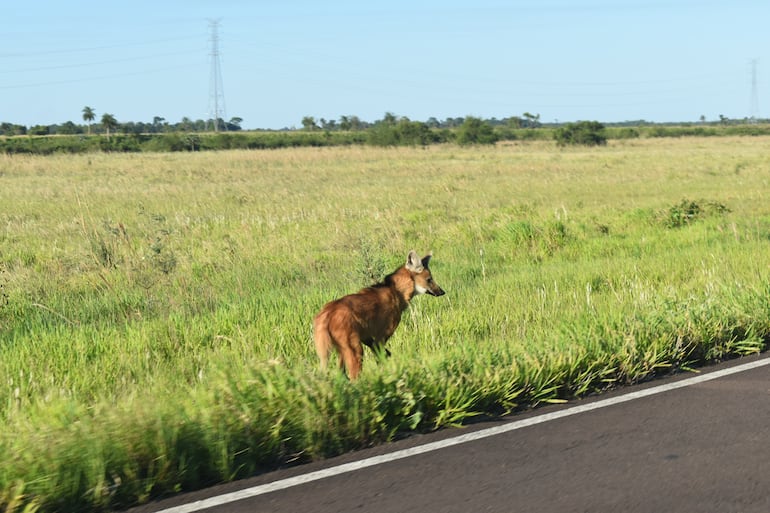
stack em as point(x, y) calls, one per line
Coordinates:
point(352, 354)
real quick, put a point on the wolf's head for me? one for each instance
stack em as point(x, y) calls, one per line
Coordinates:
point(423, 280)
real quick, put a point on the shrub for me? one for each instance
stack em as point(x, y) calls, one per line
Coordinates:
point(687, 212)
point(587, 133)
point(402, 133)
point(475, 131)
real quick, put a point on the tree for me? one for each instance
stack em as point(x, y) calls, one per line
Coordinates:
point(356, 123)
point(389, 118)
point(88, 116)
point(588, 133)
point(414, 133)
point(453, 122)
point(68, 128)
point(234, 124)
point(109, 123)
point(12, 129)
point(308, 123)
point(475, 131)
point(533, 121)
point(347, 123)
point(39, 130)
point(185, 125)
point(158, 123)
point(382, 134)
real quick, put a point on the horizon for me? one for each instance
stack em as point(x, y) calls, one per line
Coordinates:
point(451, 122)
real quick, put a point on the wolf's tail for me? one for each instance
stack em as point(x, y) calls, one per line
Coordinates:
point(322, 337)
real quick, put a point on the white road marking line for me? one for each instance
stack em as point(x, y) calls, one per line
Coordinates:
point(461, 439)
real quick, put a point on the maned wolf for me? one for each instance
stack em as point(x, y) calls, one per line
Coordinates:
point(371, 316)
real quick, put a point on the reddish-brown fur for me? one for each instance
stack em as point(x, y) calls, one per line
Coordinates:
point(370, 316)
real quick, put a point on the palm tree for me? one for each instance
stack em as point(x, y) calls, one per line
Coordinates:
point(158, 123)
point(88, 116)
point(109, 123)
point(236, 122)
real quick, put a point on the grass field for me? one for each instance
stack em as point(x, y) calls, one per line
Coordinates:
point(155, 309)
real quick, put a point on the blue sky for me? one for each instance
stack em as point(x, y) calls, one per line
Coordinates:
point(567, 60)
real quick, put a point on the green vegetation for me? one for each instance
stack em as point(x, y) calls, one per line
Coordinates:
point(155, 308)
point(476, 131)
point(587, 133)
point(390, 131)
point(402, 133)
point(175, 142)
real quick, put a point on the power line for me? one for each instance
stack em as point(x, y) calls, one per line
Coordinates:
point(98, 63)
point(216, 90)
point(93, 78)
point(91, 48)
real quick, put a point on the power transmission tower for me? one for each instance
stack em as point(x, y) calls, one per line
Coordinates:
point(754, 102)
point(216, 90)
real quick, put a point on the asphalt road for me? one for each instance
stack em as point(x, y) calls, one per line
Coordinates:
point(704, 447)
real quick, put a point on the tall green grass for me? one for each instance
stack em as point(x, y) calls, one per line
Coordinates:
point(155, 309)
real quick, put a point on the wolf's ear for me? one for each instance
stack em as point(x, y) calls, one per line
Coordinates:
point(413, 262)
point(426, 259)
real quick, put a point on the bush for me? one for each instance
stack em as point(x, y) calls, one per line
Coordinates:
point(687, 212)
point(402, 133)
point(166, 142)
point(587, 133)
point(475, 131)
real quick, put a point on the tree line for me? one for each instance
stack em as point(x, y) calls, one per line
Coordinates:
point(111, 136)
point(107, 124)
point(392, 130)
point(346, 123)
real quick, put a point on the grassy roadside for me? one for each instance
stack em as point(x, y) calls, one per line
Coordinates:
point(155, 309)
